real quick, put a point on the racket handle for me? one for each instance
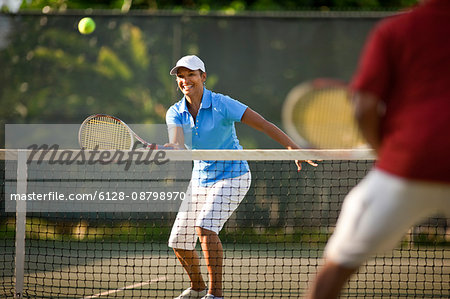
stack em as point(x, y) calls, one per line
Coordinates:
point(158, 147)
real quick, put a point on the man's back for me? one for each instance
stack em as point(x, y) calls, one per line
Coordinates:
point(407, 66)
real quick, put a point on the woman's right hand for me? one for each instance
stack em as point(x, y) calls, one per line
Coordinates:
point(174, 146)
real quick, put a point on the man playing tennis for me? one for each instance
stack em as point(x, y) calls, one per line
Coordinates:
point(402, 102)
point(203, 119)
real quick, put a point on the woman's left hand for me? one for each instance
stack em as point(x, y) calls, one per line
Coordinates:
point(299, 164)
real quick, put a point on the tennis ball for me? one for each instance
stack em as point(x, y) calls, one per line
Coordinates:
point(86, 25)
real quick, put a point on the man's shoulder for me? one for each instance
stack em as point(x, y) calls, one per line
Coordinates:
point(394, 27)
point(393, 20)
point(405, 18)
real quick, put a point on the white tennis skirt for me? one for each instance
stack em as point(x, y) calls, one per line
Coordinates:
point(207, 207)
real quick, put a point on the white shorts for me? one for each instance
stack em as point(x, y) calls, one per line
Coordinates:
point(378, 212)
point(207, 207)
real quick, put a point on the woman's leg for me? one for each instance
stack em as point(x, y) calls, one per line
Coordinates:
point(221, 201)
point(213, 252)
point(191, 263)
point(183, 239)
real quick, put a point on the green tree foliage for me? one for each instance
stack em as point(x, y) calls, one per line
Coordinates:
point(230, 6)
point(57, 75)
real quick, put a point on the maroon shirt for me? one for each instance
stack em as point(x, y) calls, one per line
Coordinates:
point(406, 64)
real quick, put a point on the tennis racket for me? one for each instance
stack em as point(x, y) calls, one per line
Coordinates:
point(319, 114)
point(106, 132)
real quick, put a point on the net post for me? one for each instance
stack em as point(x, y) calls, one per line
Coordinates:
point(21, 207)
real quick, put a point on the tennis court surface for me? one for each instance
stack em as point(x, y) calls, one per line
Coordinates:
point(272, 243)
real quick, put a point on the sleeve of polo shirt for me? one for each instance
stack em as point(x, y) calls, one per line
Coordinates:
point(173, 117)
point(234, 109)
point(373, 73)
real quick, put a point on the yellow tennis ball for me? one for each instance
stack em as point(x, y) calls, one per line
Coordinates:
point(86, 25)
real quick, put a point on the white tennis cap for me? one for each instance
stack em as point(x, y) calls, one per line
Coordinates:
point(191, 62)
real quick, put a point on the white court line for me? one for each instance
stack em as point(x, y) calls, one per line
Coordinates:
point(136, 285)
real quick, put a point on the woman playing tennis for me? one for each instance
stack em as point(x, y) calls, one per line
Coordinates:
point(203, 119)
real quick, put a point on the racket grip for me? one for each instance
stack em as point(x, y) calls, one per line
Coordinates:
point(159, 147)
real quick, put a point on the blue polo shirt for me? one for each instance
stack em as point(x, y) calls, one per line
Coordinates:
point(213, 128)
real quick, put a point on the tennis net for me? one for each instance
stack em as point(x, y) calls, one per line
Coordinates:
point(272, 243)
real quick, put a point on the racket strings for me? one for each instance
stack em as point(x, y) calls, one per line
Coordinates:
point(105, 133)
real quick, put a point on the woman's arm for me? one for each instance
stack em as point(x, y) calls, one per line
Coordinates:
point(176, 137)
point(256, 121)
